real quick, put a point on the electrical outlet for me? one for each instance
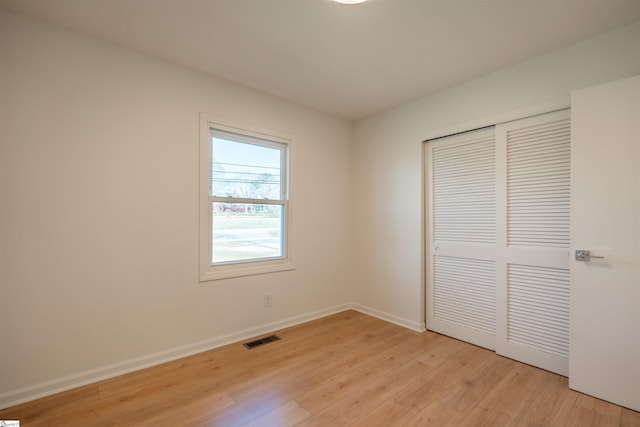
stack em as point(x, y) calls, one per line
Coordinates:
point(268, 300)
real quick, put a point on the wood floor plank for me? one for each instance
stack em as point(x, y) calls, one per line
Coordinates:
point(589, 411)
point(629, 418)
point(442, 350)
point(348, 369)
point(353, 407)
point(475, 383)
point(408, 403)
point(338, 386)
point(513, 392)
point(550, 404)
point(436, 414)
point(289, 414)
point(193, 412)
point(487, 417)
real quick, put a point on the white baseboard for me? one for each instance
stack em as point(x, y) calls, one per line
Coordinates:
point(25, 394)
point(405, 323)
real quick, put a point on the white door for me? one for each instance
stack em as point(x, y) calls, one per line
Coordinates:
point(605, 213)
point(532, 319)
point(461, 183)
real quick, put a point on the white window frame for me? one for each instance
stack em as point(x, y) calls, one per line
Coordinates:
point(208, 270)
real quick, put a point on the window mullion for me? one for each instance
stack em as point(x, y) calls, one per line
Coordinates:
point(239, 200)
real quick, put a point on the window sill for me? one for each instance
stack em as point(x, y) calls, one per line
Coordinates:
point(241, 270)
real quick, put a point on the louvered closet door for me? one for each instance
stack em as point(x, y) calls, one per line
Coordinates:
point(461, 181)
point(533, 241)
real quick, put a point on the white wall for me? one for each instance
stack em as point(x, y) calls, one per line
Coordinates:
point(388, 158)
point(99, 212)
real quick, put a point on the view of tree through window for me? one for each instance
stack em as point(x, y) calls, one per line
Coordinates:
point(245, 170)
point(247, 198)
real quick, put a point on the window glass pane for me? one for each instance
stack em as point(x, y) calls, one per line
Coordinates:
point(244, 231)
point(245, 170)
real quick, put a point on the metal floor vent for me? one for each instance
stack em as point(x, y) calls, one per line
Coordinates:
point(261, 341)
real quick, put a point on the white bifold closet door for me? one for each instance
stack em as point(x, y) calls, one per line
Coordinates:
point(499, 238)
point(533, 251)
point(462, 228)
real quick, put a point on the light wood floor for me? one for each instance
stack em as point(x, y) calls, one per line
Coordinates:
point(348, 369)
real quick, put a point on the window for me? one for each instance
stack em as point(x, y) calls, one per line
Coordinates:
point(245, 200)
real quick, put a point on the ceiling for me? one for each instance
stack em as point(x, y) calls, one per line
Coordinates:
point(350, 61)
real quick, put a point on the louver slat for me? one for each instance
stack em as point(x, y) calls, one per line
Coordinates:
point(538, 308)
point(538, 185)
point(464, 185)
point(464, 292)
